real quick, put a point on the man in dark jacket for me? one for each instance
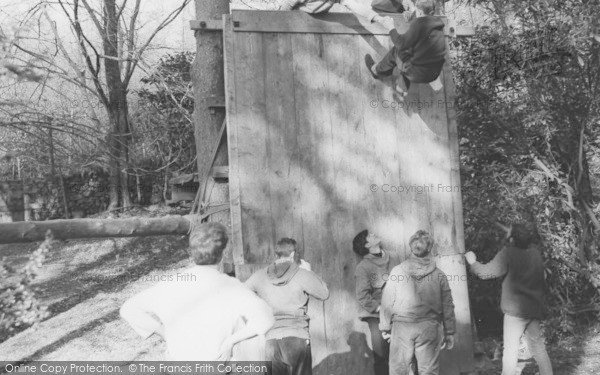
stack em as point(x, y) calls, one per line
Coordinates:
point(419, 53)
point(416, 304)
point(369, 276)
point(286, 286)
point(522, 299)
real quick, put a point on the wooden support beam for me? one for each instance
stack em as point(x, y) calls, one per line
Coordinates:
point(215, 102)
point(206, 25)
point(31, 231)
point(300, 22)
point(220, 172)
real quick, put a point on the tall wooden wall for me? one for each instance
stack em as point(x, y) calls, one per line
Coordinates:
point(319, 150)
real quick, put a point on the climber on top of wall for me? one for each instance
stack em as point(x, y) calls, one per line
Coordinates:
point(419, 53)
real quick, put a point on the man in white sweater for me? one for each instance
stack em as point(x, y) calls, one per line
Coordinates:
point(201, 313)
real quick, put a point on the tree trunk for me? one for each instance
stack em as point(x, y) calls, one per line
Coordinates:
point(93, 228)
point(575, 165)
point(208, 80)
point(117, 111)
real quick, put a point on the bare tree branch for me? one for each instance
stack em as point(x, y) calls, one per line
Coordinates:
point(145, 45)
point(131, 38)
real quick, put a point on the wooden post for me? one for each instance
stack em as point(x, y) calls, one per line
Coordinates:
point(208, 81)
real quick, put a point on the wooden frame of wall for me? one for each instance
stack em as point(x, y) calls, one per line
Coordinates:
point(316, 148)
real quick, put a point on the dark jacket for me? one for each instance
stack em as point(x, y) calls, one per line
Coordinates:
point(417, 291)
point(523, 286)
point(423, 43)
point(370, 275)
point(286, 288)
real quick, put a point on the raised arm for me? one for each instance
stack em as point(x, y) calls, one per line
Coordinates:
point(361, 8)
point(313, 285)
point(497, 267)
point(289, 4)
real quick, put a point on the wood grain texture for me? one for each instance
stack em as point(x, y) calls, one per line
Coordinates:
point(300, 22)
point(324, 151)
point(236, 240)
point(328, 23)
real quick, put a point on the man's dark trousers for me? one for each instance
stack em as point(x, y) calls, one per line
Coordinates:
point(289, 356)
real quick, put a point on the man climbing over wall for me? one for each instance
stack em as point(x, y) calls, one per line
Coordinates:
point(286, 285)
point(358, 7)
point(419, 53)
point(201, 313)
point(417, 307)
point(523, 290)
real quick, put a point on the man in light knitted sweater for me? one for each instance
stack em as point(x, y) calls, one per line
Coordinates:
point(204, 314)
point(285, 286)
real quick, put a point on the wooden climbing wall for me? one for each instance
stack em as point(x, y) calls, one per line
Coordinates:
point(319, 151)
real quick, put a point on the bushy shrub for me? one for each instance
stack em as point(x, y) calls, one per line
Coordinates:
point(19, 307)
point(528, 105)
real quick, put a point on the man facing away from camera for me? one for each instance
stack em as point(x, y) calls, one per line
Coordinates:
point(201, 314)
point(418, 309)
point(522, 301)
point(286, 284)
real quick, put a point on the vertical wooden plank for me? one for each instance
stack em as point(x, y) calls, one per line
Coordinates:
point(453, 145)
point(436, 170)
point(252, 128)
point(306, 162)
point(464, 346)
point(311, 112)
point(281, 147)
point(346, 336)
point(237, 240)
point(384, 124)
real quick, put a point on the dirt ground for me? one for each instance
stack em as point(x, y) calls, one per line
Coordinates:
point(84, 283)
point(578, 355)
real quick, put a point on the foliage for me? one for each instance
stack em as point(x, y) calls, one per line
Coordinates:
point(18, 304)
point(164, 116)
point(163, 132)
point(528, 105)
point(89, 67)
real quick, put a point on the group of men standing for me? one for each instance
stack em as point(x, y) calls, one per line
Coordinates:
point(410, 311)
point(409, 307)
point(203, 317)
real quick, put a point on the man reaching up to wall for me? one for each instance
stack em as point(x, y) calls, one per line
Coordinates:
point(286, 286)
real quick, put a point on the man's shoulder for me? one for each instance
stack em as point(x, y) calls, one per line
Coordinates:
point(235, 289)
point(259, 275)
point(303, 274)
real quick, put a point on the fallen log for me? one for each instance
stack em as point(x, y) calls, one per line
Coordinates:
point(32, 231)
